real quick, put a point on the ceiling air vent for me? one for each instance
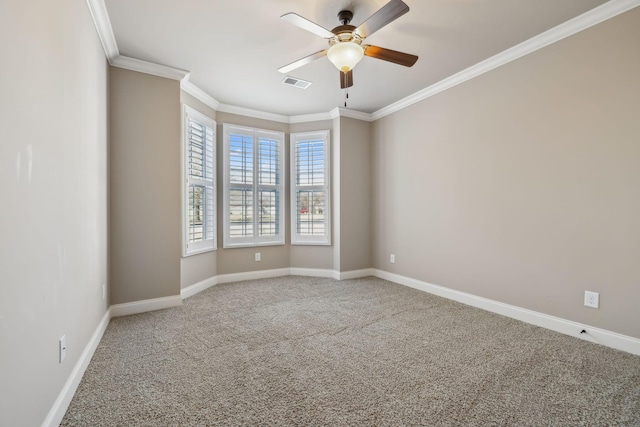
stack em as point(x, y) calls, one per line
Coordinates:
point(300, 84)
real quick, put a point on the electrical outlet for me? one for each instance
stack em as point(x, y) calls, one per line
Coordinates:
point(392, 258)
point(258, 256)
point(62, 347)
point(591, 299)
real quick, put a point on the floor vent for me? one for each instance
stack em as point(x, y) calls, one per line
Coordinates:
point(300, 84)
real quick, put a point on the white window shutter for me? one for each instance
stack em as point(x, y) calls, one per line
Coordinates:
point(310, 189)
point(199, 216)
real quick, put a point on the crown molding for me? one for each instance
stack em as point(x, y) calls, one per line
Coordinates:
point(101, 20)
point(100, 16)
point(232, 109)
point(353, 114)
point(306, 118)
point(146, 67)
point(588, 19)
point(196, 92)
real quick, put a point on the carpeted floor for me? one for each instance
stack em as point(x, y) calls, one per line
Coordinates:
point(299, 351)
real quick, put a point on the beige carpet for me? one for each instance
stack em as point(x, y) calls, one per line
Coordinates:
point(297, 351)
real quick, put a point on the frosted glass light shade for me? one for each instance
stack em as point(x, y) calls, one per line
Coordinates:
point(345, 55)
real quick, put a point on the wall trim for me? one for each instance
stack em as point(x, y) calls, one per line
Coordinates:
point(306, 118)
point(355, 274)
point(313, 272)
point(196, 288)
point(557, 324)
point(352, 114)
point(248, 112)
point(144, 306)
point(141, 66)
point(252, 275)
point(196, 92)
point(101, 20)
point(588, 19)
point(60, 406)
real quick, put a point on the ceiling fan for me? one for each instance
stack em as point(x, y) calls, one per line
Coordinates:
point(345, 41)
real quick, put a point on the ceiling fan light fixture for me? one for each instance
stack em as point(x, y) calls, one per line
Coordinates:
point(345, 55)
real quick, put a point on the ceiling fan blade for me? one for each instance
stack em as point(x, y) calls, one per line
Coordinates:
point(386, 14)
point(346, 79)
point(390, 55)
point(304, 61)
point(305, 24)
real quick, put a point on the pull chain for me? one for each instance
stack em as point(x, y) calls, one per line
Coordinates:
point(346, 96)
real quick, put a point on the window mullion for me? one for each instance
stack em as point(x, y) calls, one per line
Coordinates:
point(256, 193)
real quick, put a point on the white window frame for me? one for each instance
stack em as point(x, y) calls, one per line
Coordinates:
point(295, 139)
point(208, 181)
point(255, 240)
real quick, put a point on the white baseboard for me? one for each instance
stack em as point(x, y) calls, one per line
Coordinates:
point(355, 274)
point(568, 327)
point(196, 288)
point(313, 272)
point(252, 275)
point(190, 291)
point(60, 406)
point(143, 306)
point(332, 274)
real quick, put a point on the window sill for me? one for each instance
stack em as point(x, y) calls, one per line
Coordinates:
point(251, 245)
point(198, 252)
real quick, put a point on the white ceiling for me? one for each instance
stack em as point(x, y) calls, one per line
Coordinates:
point(233, 48)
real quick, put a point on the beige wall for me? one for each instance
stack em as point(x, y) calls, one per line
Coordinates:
point(53, 186)
point(144, 174)
point(355, 194)
point(522, 185)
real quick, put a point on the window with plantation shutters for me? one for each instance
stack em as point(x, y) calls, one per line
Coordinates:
point(254, 187)
point(199, 214)
point(310, 207)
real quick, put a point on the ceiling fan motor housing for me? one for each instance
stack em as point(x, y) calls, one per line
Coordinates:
point(344, 33)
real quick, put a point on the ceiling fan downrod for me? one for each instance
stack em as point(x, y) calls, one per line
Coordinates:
point(345, 16)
